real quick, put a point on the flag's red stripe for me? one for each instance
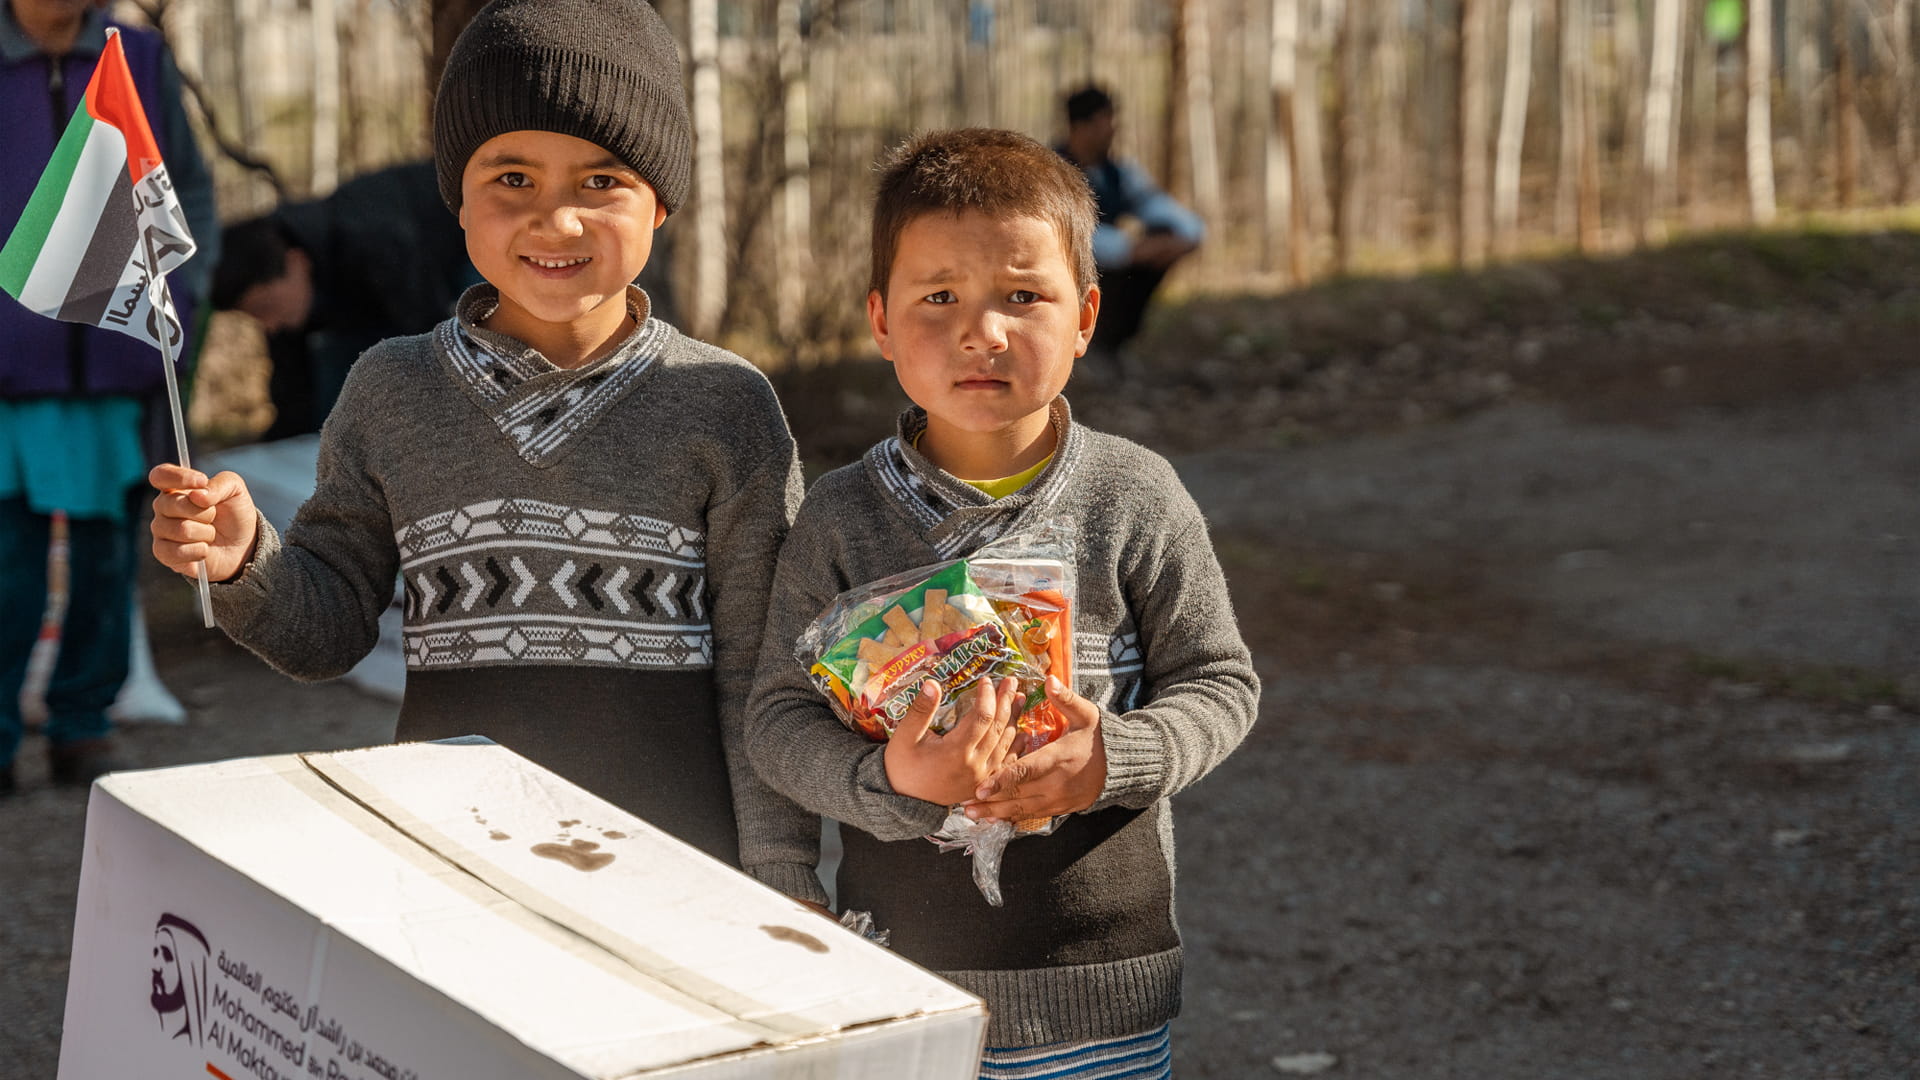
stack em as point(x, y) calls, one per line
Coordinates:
point(112, 99)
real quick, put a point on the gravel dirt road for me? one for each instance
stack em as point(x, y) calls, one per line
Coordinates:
point(1588, 746)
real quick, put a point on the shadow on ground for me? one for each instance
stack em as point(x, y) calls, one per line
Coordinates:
point(1585, 599)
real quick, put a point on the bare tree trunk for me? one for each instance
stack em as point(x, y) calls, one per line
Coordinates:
point(1577, 202)
point(1009, 69)
point(990, 59)
point(1760, 110)
point(1845, 163)
point(1174, 132)
point(1513, 125)
point(1656, 145)
point(1243, 96)
point(1100, 36)
point(1677, 130)
point(1904, 106)
point(841, 237)
point(1282, 165)
point(1307, 118)
point(1344, 176)
point(181, 25)
point(1431, 126)
point(710, 202)
point(353, 88)
point(1629, 84)
point(186, 21)
point(1803, 89)
point(1470, 191)
point(957, 27)
point(245, 16)
point(1567, 96)
point(1701, 160)
point(1202, 139)
point(324, 172)
point(796, 198)
point(1389, 127)
point(449, 18)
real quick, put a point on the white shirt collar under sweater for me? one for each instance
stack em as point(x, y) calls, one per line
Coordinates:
point(537, 405)
point(955, 516)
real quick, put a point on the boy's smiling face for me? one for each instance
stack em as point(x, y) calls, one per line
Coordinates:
point(560, 226)
point(982, 321)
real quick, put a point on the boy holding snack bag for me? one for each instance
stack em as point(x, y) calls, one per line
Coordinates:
point(583, 505)
point(982, 296)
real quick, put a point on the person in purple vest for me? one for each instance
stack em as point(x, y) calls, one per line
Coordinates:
point(82, 410)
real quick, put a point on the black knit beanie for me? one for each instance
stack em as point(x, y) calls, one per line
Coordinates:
point(607, 71)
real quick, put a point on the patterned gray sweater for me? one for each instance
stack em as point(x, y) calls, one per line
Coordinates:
point(1086, 945)
point(585, 556)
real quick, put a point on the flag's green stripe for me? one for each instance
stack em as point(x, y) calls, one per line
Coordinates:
point(110, 247)
point(23, 247)
point(101, 169)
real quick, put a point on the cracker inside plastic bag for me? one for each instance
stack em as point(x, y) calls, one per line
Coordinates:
point(1004, 611)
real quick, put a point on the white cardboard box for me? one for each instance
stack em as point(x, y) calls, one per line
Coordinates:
point(454, 912)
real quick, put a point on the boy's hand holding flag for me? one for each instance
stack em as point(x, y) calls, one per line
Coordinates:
point(104, 228)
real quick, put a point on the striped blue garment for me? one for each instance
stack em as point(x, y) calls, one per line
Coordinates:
point(1147, 1056)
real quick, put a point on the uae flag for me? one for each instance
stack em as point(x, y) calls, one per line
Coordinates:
point(103, 226)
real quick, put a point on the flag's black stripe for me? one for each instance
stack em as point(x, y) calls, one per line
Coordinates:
point(114, 238)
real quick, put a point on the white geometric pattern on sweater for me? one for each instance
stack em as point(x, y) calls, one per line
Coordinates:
point(890, 465)
point(556, 643)
point(1112, 666)
point(899, 477)
point(527, 581)
point(534, 519)
point(568, 402)
point(493, 375)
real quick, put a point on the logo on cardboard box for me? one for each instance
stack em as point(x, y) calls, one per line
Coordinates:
point(226, 1007)
point(180, 957)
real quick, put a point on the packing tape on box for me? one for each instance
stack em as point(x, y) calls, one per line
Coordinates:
point(753, 1018)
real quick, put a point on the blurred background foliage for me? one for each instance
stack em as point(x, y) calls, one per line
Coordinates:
point(1320, 139)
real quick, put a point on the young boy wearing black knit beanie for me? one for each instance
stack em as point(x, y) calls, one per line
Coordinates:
point(583, 505)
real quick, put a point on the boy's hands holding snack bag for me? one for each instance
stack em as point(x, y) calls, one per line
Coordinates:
point(1063, 777)
point(961, 668)
point(949, 768)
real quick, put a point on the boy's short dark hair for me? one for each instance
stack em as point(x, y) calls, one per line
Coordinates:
point(1087, 102)
point(252, 252)
point(998, 173)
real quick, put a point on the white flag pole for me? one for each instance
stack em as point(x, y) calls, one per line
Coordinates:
point(173, 398)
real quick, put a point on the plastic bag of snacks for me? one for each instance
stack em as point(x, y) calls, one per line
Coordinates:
point(1004, 611)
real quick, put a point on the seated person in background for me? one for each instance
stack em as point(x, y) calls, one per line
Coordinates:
point(326, 279)
point(1143, 231)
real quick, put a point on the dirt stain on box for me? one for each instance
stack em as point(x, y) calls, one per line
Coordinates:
point(583, 855)
point(801, 938)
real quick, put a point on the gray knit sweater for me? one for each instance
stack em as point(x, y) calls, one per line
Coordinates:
point(1086, 945)
point(585, 555)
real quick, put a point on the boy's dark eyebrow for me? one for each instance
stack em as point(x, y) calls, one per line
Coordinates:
point(515, 161)
point(947, 273)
